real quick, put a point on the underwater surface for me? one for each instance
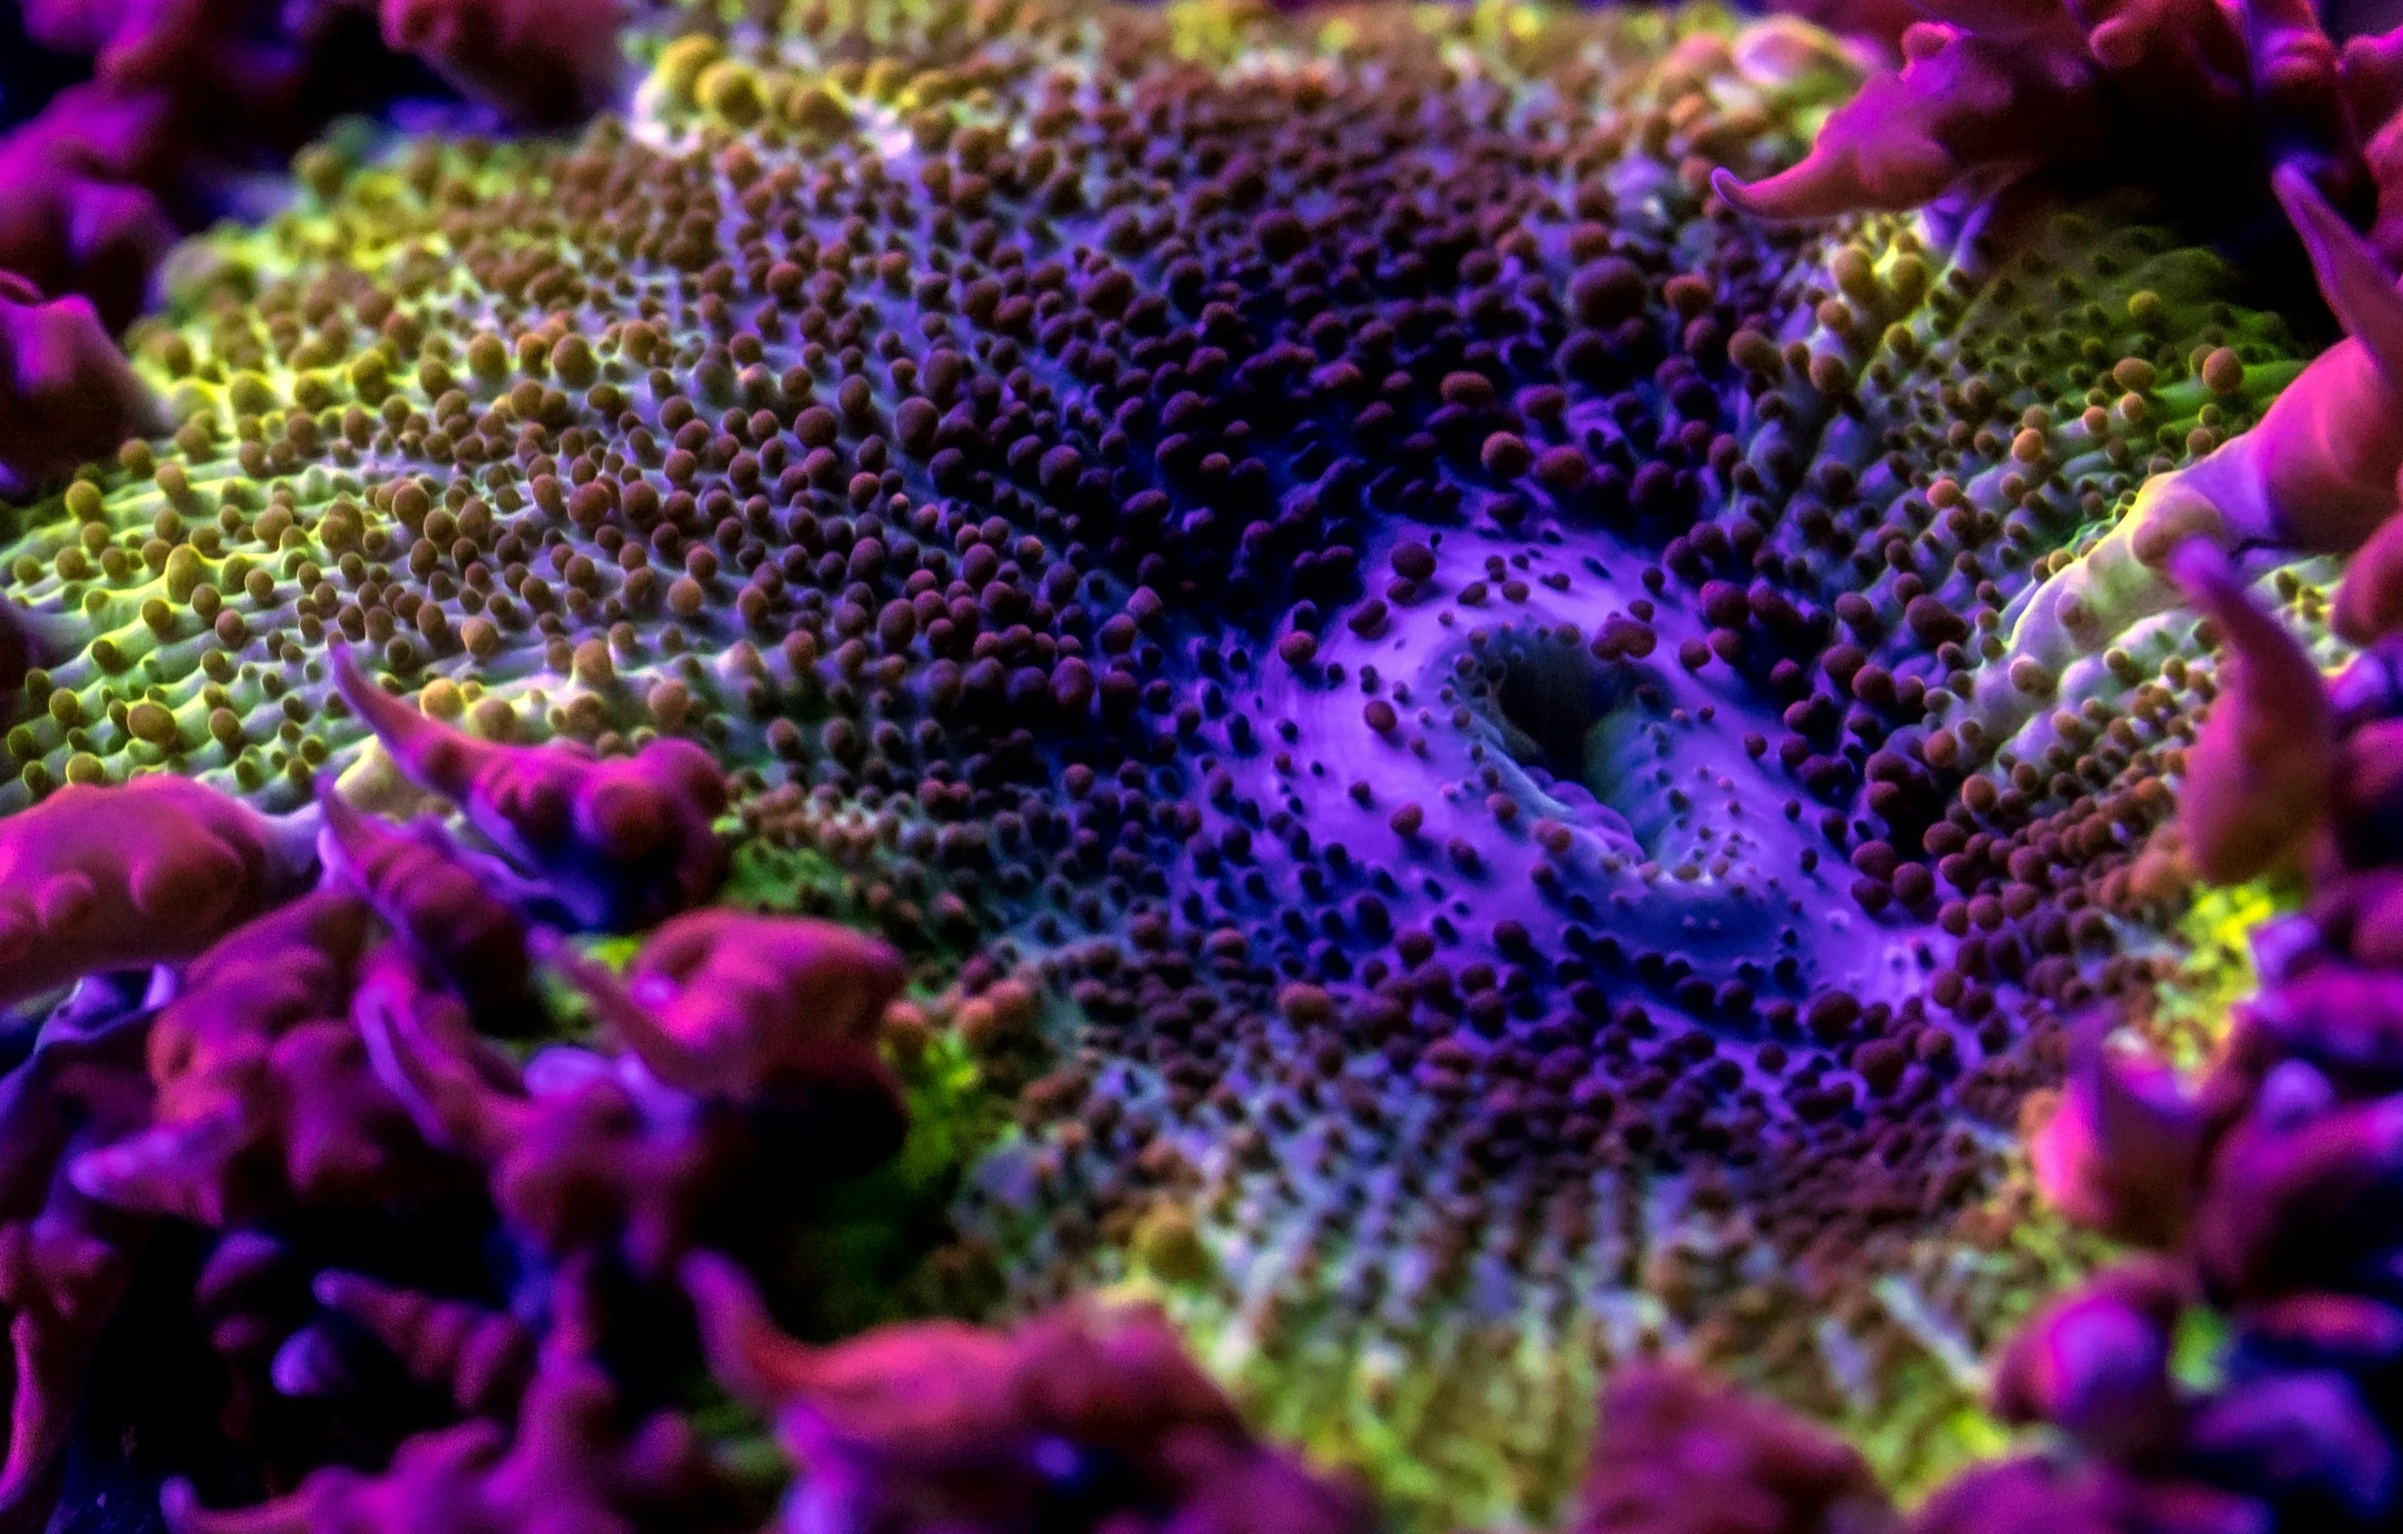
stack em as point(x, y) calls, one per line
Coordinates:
point(1016, 765)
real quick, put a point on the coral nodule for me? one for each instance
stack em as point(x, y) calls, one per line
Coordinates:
point(1053, 768)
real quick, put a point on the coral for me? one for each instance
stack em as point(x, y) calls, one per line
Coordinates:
point(66, 394)
point(2318, 473)
point(265, 1092)
point(148, 872)
point(81, 219)
point(618, 844)
point(1680, 1454)
point(1398, 675)
point(541, 62)
point(2285, 1224)
point(222, 51)
point(481, 1357)
point(591, 1163)
point(569, 1464)
point(1079, 1420)
point(265, 978)
point(65, 1260)
point(2033, 1494)
point(1966, 112)
point(2258, 776)
point(425, 894)
point(2171, 92)
point(727, 1003)
point(2123, 1145)
point(2095, 1363)
point(2369, 605)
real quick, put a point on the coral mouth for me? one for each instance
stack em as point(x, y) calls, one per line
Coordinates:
point(1567, 719)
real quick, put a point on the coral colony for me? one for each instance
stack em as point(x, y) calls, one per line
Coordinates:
point(1054, 767)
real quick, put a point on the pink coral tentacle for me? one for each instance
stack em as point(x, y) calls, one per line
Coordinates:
point(669, 1056)
point(2360, 291)
point(2369, 600)
point(434, 904)
point(415, 1055)
point(149, 872)
point(2258, 778)
point(758, 1363)
point(428, 753)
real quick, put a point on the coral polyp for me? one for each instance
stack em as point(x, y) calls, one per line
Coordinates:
point(973, 666)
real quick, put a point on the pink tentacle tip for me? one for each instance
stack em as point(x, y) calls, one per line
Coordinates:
point(432, 900)
point(620, 843)
point(2122, 1148)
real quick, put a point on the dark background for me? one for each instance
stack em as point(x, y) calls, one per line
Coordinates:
point(28, 75)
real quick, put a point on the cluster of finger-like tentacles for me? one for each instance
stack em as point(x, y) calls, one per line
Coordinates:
point(1456, 736)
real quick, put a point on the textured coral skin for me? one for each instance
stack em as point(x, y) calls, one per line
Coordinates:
point(618, 844)
point(2321, 472)
point(146, 873)
point(2318, 474)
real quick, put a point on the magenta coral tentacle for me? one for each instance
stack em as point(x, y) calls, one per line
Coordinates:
point(754, 1360)
point(2358, 288)
point(429, 898)
point(179, 1503)
point(172, 1169)
point(2259, 774)
point(428, 753)
point(2297, 78)
point(66, 394)
point(671, 1058)
point(482, 1356)
point(2369, 601)
point(2372, 72)
point(449, 1101)
point(149, 872)
point(2120, 1153)
point(541, 62)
